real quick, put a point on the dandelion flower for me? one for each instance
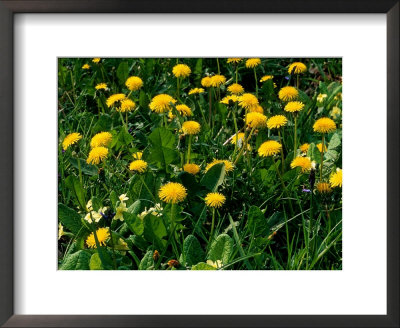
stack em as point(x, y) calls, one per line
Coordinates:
point(138, 165)
point(294, 106)
point(127, 105)
point(101, 86)
point(231, 98)
point(86, 66)
point(253, 62)
point(336, 178)
point(256, 109)
point(288, 93)
point(324, 125)
point(229, 166)
point(266, 78)
point(319, 146)
point(234, 60)
point(137, 155)
point(71, 139)
point(191, 168)
point(172, 192)
point(235, 89)
point(102, 235)
point(114, 99)
point(238, 139)
point(215, 199)
point(217, 80)
point(321, 97)
point(97, 155)
point(184, 110)
point(162, 103)
point(297, 68)
point(101, 139)
point(181, 70)
point(196, 91)
point(323, 187)
point(304, 147)
point(190, 127)
point(248, 101)
point(277, 121)
point(256, 120)
point(303, 162)
point(269, 148)
point(206, 82)
point(96, 60)
point(134, 83)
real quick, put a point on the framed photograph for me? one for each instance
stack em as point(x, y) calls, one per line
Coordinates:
point(158, 152)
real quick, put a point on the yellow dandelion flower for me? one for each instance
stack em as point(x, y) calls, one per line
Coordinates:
point(71, 139)
point(234, 60)
point(217, 80)
point(256, 120)
point(137, 155)
point(97, 155)
point(288, 93)
point(162, 103)
point(235, 89)
point(253, 62)
point(324, 125)
point(319, 146)
point(196, 91)
point(297, 68)
point(256, 109)
point(229, 166)
point(102, 139)
point(248, 101)
point(231, 98)
point(102, 235)
point(138, 166)
point(294, 106)
point(101, 86)
point(191, 168)
point(134, 83)
point(190, 127)
point(181, 70)
point(215, 199)
point(96, 60)
point(303, 162)
point(127, 105)
point(269, 148)
point(184, 110)
point(206, 82)
point(336, 178)
point(172, 192)
point(171, 116)
point(277, 121)
point(114, 99)
point(304, 147)
point(321, 97)
point(266, 78)
point(323, 187)
point(86, 66)
point(238, 139)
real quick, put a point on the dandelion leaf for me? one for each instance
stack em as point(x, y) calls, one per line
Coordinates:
point(77, 261)
point(214, 177)
point(147, 261)
point(203, 266)
point(221, 249)
point(192, 251)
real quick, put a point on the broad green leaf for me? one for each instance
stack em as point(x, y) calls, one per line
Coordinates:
point(256, 222)
point(221, 249)
point(114, 198)
point(334, 142)
point(189, 182)
point(147, 261)
point(192, 251)
point(73, 184)
point(76, 261)
point(154, 230)
point(85, 168)
point(134, 223)
point(135, 207)
point(162, 151)
point(95, 262)
point(314, 153)
point(203, 266)
point(96, 203)
point(214, 177)
point(123, 72)
point(69, 218)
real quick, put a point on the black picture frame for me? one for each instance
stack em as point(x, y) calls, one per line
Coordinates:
point(10, 7)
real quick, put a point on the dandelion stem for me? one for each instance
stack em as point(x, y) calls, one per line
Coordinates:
point(202, 114)
point(255, 77)
point(283, 186)
point(189, 148)
point(173, 230)
point(209, 105)
point(244, 145)
point(212, 225)
point(147, 188)
point(219, 71)
point(236, 128)
point(295, 137)
point(322, 154)
point(283, 158)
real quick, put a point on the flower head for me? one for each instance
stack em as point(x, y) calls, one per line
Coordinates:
point(102, 235)
point(297, 68)
point(138, 165)
point(181, 70)
point(303, 162)
point(321, 97)
point(134, 83)
point(256, 109)
point(234, 60)
point(288, 93)
point(217, 80)
point(126, 105)
point(229, 166)
point(235, 89)
point(294, 106)
point(172, 192)
point(206, 82)
point(319, 146)
point(101, 86)
point(96, 60)
point(231, 98)
point(137, 155)
point(71, 139)
point(190, 127)
point(253, 62)
point(184, 110)
point(277, 121)
point(196, 91)
point(101, 139)
point(324, 125)
point(336, 178)
point(256, 120)
point(86, 66)
point(269, 148)
point(114, 99)
point(323, 187)
point(191, 168)
point(266, 78)
point(248, 101)
point(162, 103)
point(97, 155)
point(238, 139)
point(304, 147)
point(215, 199)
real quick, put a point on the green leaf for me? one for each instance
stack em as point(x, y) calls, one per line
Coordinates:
point(85, 168)
point(192, 251)
point(256, 222)
point(334, 142)
point(134, 223)
point(73, 184)
point(69, 218)
point(221, 249)
point(96, 203)
point(154, 230)
point(95, 262)
point(203, 266)
point(76, 261)
point(162, 151)
point(147, 261)
point(314, 153)
point(114, 198)
point(123, 72)
point(214, 177)
point(189, 182)
point(103, 124)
